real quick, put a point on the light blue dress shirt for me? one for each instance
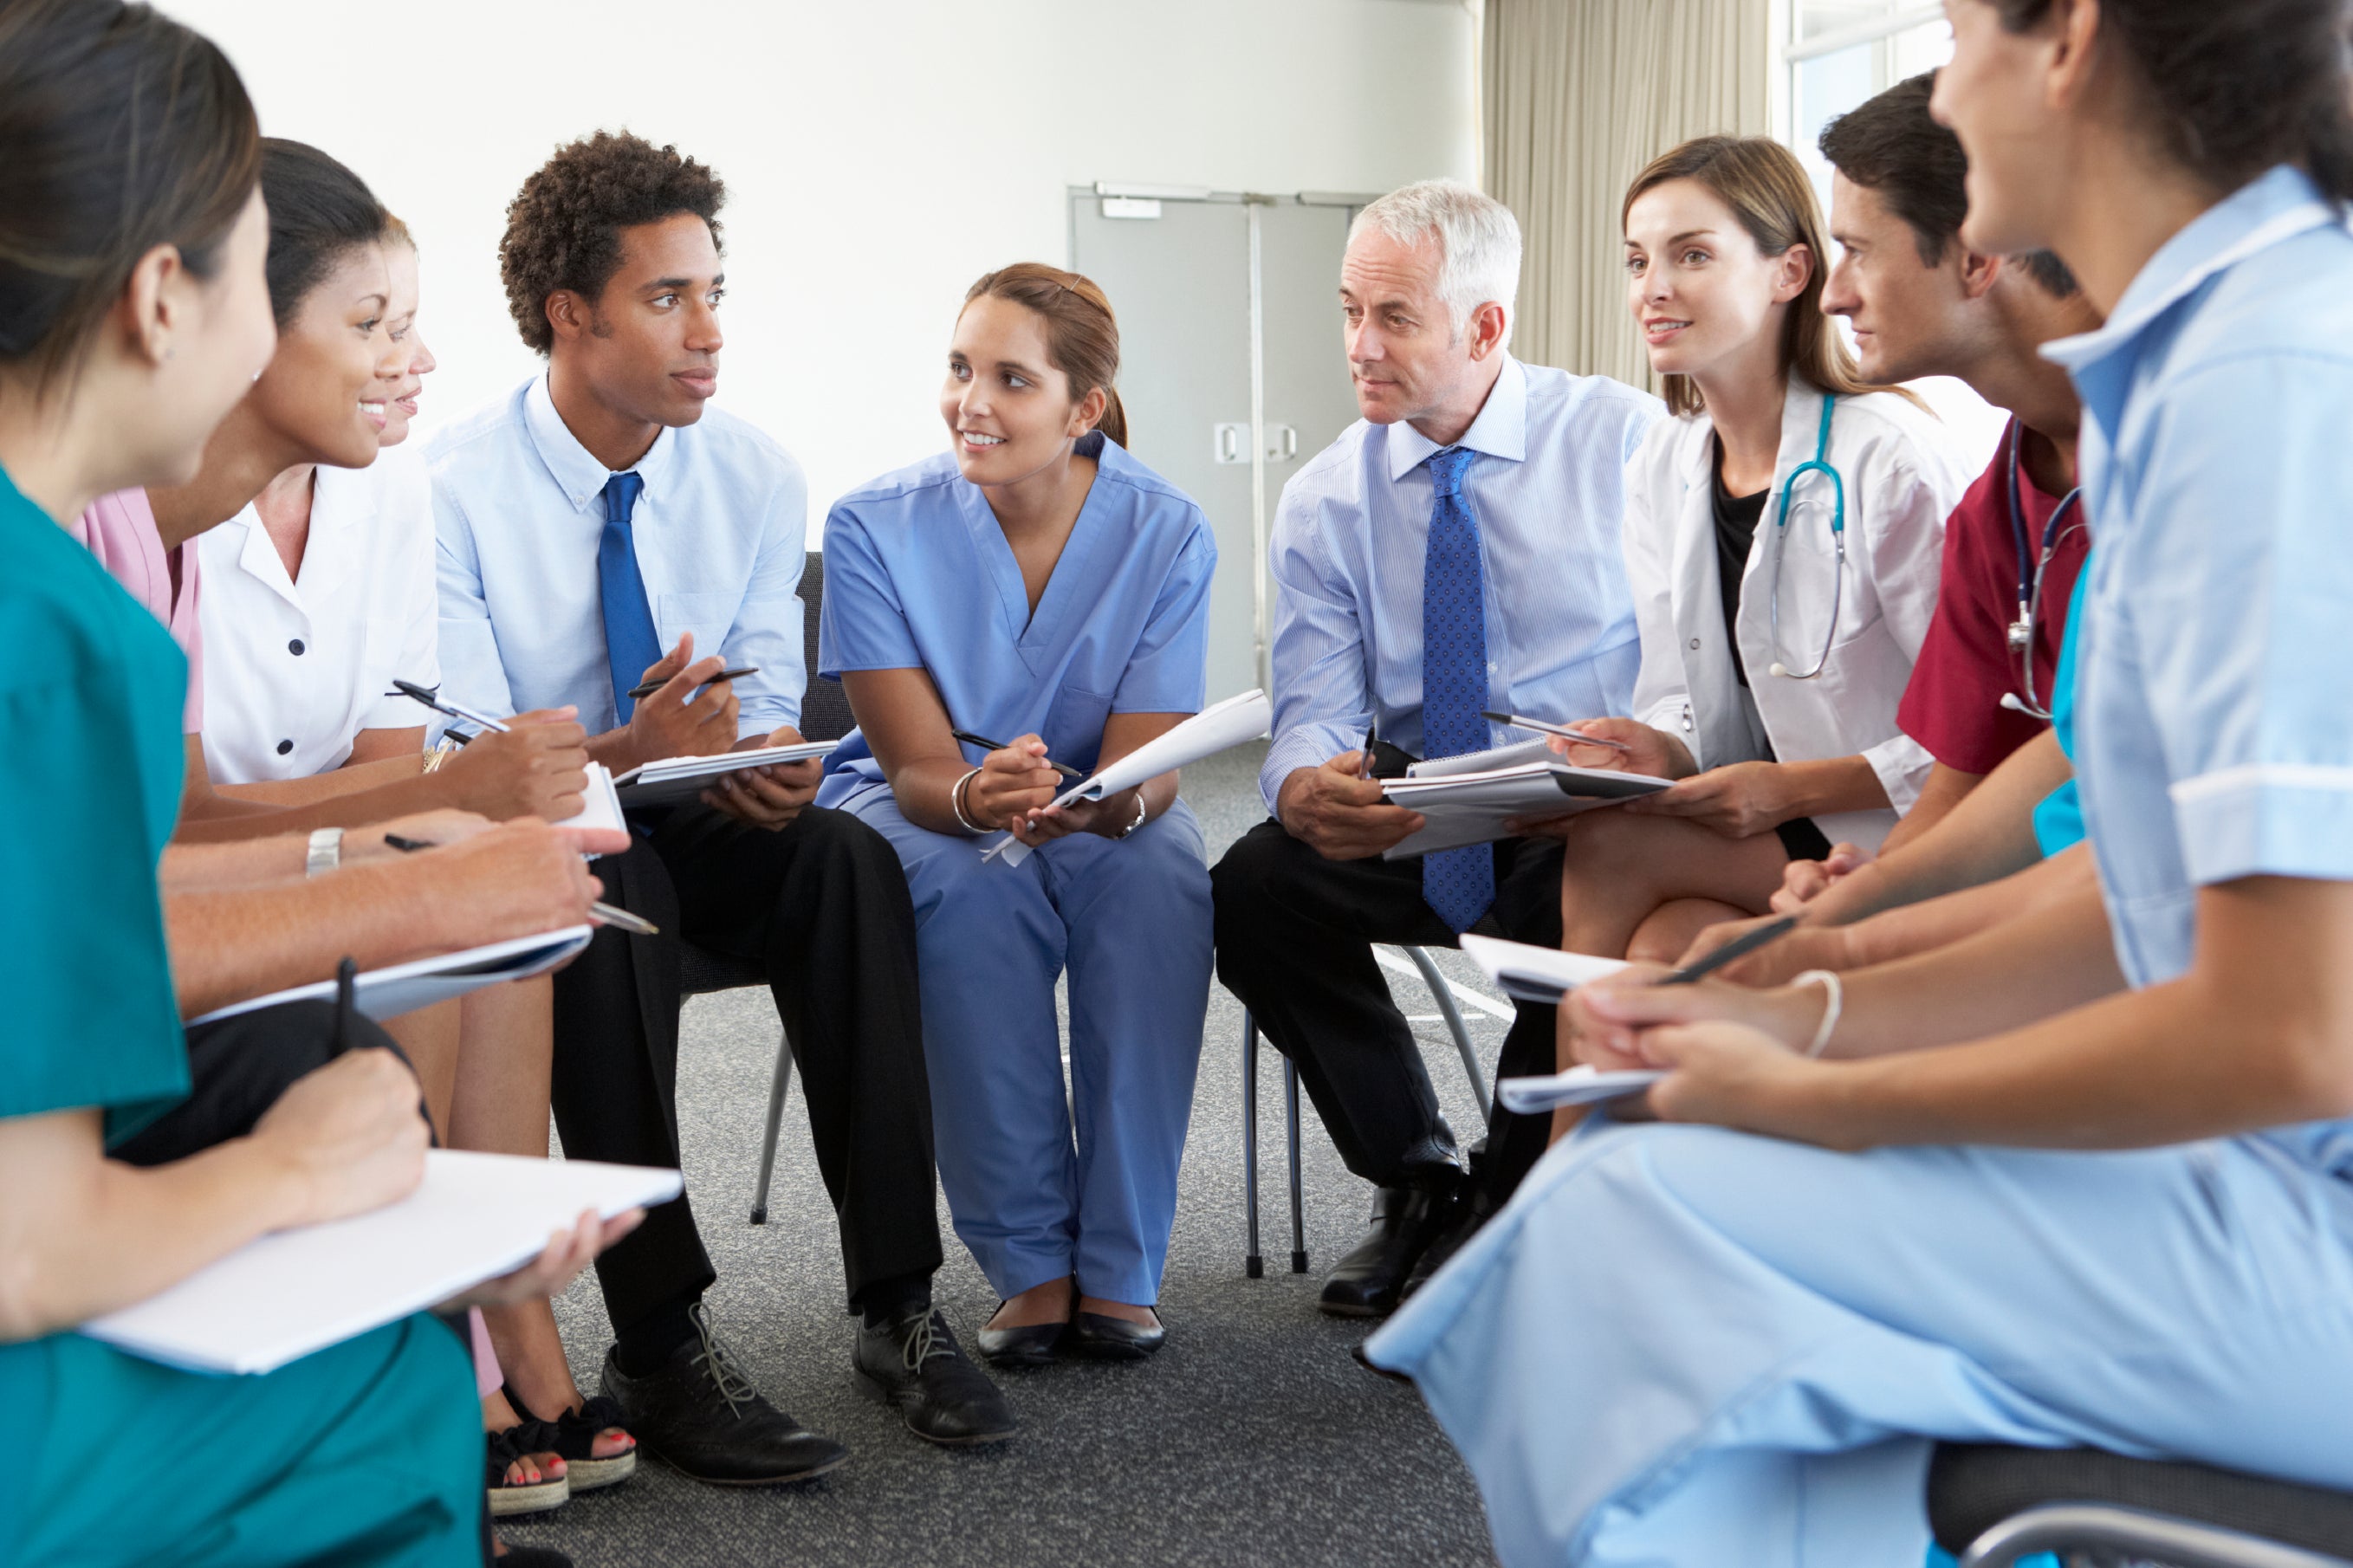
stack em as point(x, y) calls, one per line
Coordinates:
point(1346, 557)
point(518, 503)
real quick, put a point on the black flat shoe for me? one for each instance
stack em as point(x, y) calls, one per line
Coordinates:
point(914, 1363)
point(698, 1414)
point(1099, 1337)
point(1370, 1280)
point(1031, 1344)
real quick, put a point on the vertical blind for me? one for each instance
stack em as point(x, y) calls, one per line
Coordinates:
point(1576, 97)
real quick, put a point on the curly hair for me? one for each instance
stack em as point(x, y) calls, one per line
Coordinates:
point(564, 229)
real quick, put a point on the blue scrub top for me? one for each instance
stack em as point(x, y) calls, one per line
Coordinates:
point(918, 575)
point(90, 692)
point(2213, 721)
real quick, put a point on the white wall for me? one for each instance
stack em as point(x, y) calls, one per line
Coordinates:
point(879, 154)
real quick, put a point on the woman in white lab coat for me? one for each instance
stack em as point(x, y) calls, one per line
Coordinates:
point(1782, 737)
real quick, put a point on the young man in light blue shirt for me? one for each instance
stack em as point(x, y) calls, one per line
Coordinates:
point(598, 527)
point(1455, 551)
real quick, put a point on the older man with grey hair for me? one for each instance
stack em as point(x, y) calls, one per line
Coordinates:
point(1454, 552)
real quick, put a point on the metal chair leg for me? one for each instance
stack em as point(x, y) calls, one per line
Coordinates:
point(1444, 996)
point(777, 1089)
point(1298, 1205)
point(1253, 1265)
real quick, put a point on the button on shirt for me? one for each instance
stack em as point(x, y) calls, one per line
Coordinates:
point(519, 507)
point(2213, 719)
point(1351, 535)
point(296, 668)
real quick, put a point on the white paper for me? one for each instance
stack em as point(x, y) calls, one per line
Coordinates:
point(674, 779)
point(1473, 808)
point(475, 1217)
point(1530, 973)
point(1580, 1085)
point(1217, 728)
point(1518, 754)
point(600, 807)
point(400, 988)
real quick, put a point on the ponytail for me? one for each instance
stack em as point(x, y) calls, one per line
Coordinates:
point(1081, 333)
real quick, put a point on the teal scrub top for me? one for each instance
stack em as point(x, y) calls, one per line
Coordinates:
point(2059, 819)
point(90, 720)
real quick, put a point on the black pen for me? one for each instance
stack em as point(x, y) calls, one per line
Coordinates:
point(432, 698)
point(1563, 730)
point(1740, 947)
point(986, 744)
point(639, 693)
point(1365, 752)
point(635, 925)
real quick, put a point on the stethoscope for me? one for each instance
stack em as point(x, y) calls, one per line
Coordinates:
point(2031, 566)
point(1819, 465)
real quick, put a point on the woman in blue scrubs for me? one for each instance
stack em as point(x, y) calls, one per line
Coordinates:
point(1038, 587)
point(2086, 1179)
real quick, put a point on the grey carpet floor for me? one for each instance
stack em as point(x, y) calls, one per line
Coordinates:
point(1251, 1438)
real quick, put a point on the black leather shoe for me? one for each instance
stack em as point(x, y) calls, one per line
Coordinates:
point(1031, 1344)
point(1469, 1216)
point(1370, 1280)
point(698, 1414)
point(914, 1362)
point(1102, 1337)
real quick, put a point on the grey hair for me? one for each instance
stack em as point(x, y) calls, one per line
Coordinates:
point(1478, 243)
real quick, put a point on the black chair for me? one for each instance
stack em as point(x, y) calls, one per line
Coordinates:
point(1990, 1505)
point(825, 716)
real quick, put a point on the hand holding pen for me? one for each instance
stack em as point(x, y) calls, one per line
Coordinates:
point(1012, 782)
point(634, 924)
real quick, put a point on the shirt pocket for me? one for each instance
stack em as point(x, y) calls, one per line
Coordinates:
point(710, 616)
point(1074, 727)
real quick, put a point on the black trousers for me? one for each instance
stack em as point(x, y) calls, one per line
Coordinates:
point(236, 1069)
point(822, 907)
point(1295, 934)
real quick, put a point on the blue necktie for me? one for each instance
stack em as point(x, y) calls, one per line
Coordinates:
point(630, 644)
point(1458, 884)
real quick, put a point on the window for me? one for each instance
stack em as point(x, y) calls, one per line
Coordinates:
point(1835, 54)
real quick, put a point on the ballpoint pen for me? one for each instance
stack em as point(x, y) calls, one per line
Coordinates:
point(433, 699)
point(986, 744)
point(635, 925)
point(1739, 947)
point(639, 693)
point(1563, 730)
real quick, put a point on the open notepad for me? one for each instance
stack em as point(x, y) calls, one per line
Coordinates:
point(600, 806)
point(1577, 1086)
point(476, 1217)
point(1214, 729)
point(400, 988)
point(674, 779)
point(1529, 974)
point(1468, 799)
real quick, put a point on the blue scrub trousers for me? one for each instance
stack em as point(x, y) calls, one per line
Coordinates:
point(1131, 922)
point(1684, 1345)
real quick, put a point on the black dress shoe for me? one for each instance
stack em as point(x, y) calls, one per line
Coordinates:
point(1102, 1337)
point(1031, 1344)
point(914, 1362)
point(1469, 1215)
point(1370, 1280)
point(698, 1414)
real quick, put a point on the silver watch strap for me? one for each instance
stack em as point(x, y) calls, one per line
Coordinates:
point(326, 851)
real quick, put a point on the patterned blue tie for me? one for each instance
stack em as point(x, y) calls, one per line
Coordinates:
point(630, 644)
point(1459, 884)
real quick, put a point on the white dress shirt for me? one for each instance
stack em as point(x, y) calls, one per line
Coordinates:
point(519, 505)
point(296, 668)
point(1351, 533)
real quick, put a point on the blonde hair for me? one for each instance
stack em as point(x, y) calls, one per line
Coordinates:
point(1767, 189)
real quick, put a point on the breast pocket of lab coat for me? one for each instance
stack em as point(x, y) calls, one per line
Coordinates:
point(1074, 727)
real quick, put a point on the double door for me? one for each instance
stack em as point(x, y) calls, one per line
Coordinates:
point(1232, 370)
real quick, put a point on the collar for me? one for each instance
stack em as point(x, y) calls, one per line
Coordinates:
point(576, 470)
point(2267, 211)
point(1501, 430)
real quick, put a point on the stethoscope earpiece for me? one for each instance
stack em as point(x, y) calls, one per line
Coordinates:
point(1778, 668)
point(2010, 701)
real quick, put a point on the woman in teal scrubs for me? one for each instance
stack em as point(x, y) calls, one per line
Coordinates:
point(132, 315)
point(1039, 588)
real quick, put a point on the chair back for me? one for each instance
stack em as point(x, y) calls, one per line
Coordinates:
point(824, 708)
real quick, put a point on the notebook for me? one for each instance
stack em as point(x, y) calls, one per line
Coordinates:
point(1530, 973)
point(1468, 799)
point(475, 1217)
point(400, 988)
point(1580, 1085)
point(675, 779)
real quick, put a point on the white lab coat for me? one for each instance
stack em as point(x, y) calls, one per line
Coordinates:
point(1902, 473)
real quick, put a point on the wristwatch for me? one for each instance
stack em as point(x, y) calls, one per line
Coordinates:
point(326, 851)
point(1141, 811)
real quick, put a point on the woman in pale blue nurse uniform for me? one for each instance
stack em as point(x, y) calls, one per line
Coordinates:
point(1040, 589)
point(2107, 1193)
